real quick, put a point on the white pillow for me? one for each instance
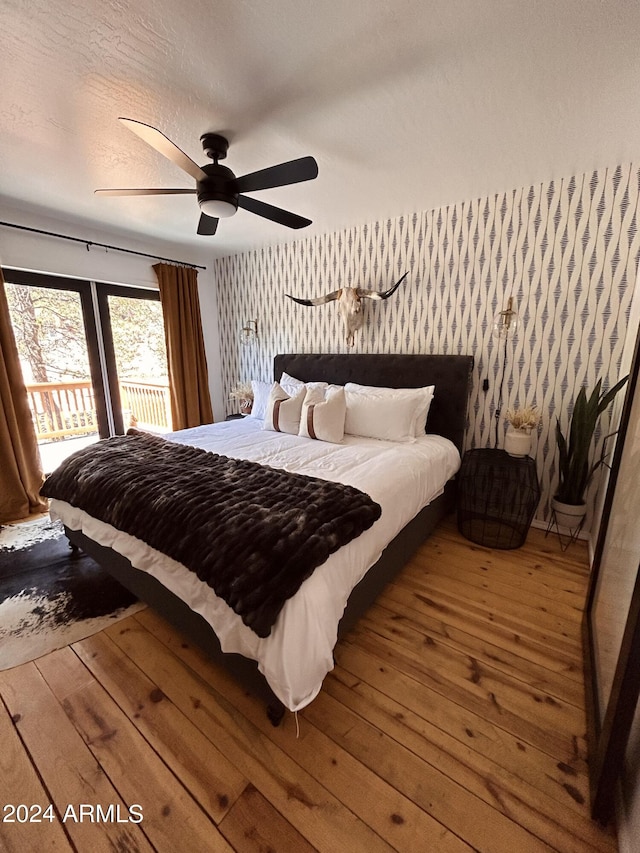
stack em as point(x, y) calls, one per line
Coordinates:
point(421, 396)
point(380, 416)
point(285, 379)
point(291, 382)
point(283, 411)
point(323, 414)
point(261, 391)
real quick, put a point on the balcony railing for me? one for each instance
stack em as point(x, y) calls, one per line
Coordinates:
point(147, 406)
point(62, 409)
point(65, 409)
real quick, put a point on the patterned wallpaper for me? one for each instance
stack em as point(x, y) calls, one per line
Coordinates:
point(566, 251)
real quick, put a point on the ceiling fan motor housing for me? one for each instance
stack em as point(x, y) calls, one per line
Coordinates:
point(217, 192)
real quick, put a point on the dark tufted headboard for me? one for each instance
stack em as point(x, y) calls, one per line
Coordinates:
point(451, 374)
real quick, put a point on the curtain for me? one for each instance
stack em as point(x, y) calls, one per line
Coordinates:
point(188, 375)
point(20, 466)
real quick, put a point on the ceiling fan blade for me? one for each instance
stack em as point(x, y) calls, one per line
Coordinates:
point(293, 172)
point(275, 214)
point(145, 192)
point(208, 225)
point(165, 146)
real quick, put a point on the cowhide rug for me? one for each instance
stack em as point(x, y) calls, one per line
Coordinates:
point(50, 597)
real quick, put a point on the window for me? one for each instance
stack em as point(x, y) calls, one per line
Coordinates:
point(93, 359)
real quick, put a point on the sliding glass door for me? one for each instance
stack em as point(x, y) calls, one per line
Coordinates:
point(133, 332)
point(93, 359)
point(55, 330)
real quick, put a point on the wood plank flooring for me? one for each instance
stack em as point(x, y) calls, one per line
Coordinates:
point(453, 721)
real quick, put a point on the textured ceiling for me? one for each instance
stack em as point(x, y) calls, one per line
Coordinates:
point(406, 104)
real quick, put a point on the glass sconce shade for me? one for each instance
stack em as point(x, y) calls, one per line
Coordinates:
point(506, 323)
point(249, 332)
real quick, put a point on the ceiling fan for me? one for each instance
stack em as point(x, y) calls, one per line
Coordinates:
point(219, 192)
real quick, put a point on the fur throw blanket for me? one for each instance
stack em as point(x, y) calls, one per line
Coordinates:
point(252, 533)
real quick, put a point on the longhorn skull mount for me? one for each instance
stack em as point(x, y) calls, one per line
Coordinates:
point(350, 304)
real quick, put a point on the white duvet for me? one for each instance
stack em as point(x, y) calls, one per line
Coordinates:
point(296, 656)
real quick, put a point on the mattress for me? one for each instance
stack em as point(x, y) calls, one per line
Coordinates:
point(402, 477)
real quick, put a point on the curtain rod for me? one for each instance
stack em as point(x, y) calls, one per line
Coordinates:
point(89, 243)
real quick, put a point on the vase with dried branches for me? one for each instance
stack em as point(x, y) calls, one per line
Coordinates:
point(243, 393)
point(517, 440)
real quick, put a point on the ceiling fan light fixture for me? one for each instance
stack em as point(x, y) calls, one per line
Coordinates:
point(218, 208)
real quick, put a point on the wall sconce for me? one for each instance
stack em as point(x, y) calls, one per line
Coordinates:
point(506, 323)
point(249, 332)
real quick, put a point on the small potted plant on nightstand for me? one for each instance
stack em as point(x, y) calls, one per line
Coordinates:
point(243, 393)
point(576, 468)
point(517, 440)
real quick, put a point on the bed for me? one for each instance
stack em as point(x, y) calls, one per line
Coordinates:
point(286, 668)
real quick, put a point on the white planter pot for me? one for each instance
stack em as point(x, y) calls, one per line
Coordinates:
point(568, 515)
point(517, 442)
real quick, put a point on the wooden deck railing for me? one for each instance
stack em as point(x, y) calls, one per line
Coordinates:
point(147, 405)
point(61, 409)
point(65, 409)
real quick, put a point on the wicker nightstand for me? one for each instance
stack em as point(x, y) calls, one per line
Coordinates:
point(497, 497)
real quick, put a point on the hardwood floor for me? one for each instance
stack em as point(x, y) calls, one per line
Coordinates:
point(453, 720)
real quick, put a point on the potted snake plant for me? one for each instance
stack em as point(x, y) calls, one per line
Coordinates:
point(576, 466)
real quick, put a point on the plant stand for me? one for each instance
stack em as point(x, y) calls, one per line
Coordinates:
point(570, 537)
